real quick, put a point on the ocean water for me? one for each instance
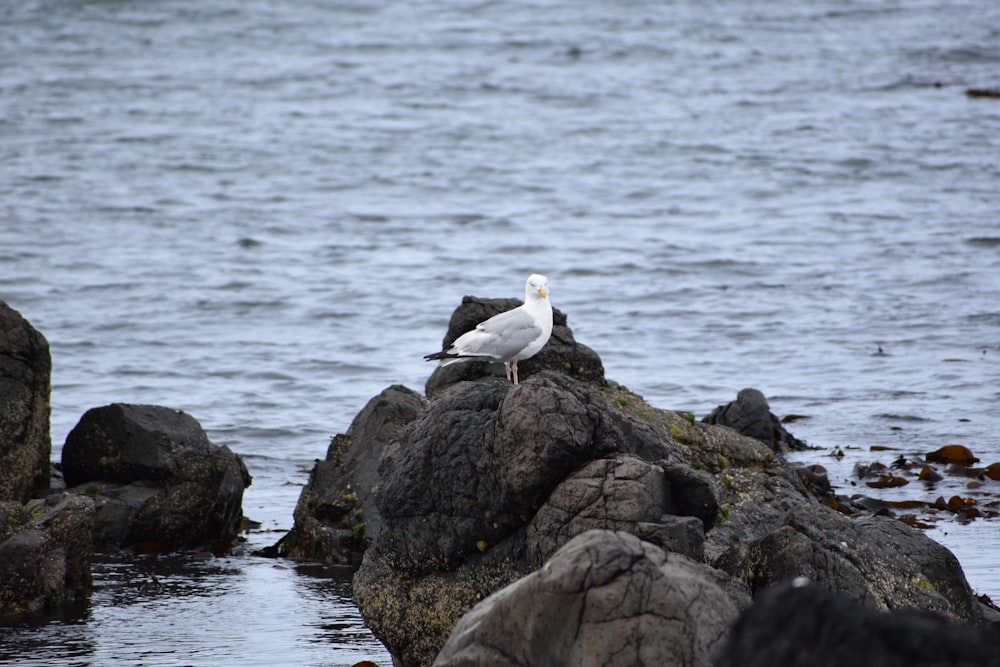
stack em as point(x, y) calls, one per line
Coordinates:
point(263, 213)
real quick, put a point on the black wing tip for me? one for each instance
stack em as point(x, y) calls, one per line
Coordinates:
point(440, 355)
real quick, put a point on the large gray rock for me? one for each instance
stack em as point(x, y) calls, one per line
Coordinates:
point(25, 377)
point(877, 561)
point(562, 353)
point(45, 553)
point(336, 516)
point(155, 477)
point(491, 479)
point(604, 599)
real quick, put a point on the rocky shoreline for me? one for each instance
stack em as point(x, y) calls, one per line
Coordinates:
point(560, 521)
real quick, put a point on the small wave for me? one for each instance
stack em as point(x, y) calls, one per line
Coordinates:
point(983, 241)
point(900, 418)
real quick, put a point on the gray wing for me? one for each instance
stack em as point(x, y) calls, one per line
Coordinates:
point(501, 337)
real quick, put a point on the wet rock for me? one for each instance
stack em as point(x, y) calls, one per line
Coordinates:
point(805, 624)
point(751, 415)
point(25, 376)
point(952, 454)
point(155, 477)
point(45, 553)
point(562, 353)
point(875, 560)
point(336, 516)
point(491, 479)
point(605, 598)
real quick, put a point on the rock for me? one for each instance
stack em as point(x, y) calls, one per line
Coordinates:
point(336, 516)
point(45, 553)
point(155, 477)
point(562, 353)
point(875, 560)
point(25, 377)
point(954, 454)
point(751, 485)
point(492, 479)
point(605, 598)
point(619, 493)
point(750, 415)
point(801, 624)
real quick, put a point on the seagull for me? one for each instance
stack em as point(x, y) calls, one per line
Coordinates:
point(508, 337)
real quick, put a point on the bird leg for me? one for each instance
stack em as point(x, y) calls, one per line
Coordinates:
point(514, 365)
point(506, 367)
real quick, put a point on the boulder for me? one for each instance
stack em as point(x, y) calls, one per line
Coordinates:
point(604, 598)
point(753, 486)
point(491, 479)
point(875, 560)
point(25, 377)
point(751, 415)
point(336, 516)
point(486, 484)
point(624, 493)
point(562, 353)
point(45, 553)
point(801, 624)
point(155, 478)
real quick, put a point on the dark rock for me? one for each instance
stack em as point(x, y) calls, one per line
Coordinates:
point(750, 415)
point(481, 461)
point(491, 479)
point(620, 493)
point(336, 516)
point(875, 560)
point(562, 353)
point(45, 553)
point(751, 485)
point(801, 624)
point(155, 477)
point(25, 377)
point(605, 598)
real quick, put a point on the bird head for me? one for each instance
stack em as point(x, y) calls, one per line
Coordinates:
point(537, 284)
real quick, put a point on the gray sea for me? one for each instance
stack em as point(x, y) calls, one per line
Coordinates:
point(263, 212)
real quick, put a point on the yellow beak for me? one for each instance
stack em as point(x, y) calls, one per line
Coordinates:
point(544, 294)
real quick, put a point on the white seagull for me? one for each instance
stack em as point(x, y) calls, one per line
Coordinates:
point(508, 337)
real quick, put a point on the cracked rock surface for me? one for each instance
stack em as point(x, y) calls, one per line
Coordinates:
point(605, 598)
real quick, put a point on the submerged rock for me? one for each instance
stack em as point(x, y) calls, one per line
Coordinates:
point(155, 477)
point(604, 598)
point(25, 378)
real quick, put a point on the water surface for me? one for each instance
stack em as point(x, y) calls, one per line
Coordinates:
point(263, 213)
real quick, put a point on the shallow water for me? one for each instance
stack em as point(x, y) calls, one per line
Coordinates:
point(264, 213)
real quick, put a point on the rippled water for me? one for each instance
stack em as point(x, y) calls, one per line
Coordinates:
point(264, 212)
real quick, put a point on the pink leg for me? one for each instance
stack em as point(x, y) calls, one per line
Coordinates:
point(506, 367)
point(515, 371)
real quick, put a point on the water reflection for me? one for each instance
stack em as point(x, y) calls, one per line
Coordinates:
point(190, 609)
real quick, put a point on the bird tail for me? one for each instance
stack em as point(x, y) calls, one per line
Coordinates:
point(444, 357)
